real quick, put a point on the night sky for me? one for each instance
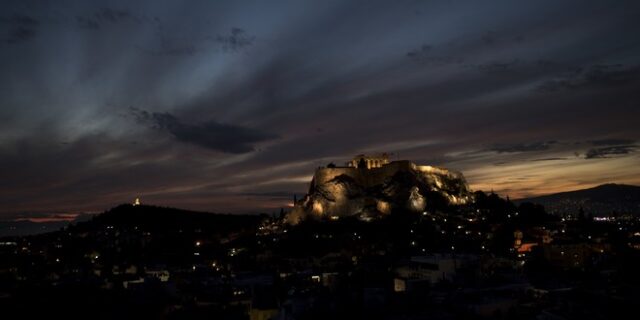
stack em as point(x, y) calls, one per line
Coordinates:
point(229, 106)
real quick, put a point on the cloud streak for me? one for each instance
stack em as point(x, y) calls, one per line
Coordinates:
point(607, 152)
point(596, 76)
point(523, 147)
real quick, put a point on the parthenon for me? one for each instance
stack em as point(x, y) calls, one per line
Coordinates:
point(370, 161)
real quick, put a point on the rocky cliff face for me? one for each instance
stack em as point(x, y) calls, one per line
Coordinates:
point(370, 193)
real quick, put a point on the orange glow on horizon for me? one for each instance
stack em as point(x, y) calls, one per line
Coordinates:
point(58, 217)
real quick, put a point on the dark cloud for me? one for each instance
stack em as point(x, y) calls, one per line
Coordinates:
point(20, 34)
point(20, 20)
point(523, 147)
point(236, 39)
point(596, 76)
point(612, 142)
point(112, 15)
point(498, 66)
point(212, 135)
point(105, 16)
point(21, 28)
point(608, 152)
point(427, 55)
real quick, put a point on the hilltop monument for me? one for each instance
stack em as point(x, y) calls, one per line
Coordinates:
point(369, 186)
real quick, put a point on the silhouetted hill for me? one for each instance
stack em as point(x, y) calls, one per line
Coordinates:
point(152, 218)
point(603, 200)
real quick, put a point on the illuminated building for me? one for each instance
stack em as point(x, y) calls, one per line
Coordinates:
point(370, 161)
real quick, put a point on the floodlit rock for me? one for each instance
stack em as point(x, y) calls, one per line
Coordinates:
point(369, 192)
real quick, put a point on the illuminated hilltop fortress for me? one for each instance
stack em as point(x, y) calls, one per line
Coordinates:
point(371, 186)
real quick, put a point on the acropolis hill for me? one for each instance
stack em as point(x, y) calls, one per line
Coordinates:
point(372, 186)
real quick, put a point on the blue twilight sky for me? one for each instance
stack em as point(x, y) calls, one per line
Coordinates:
point(229, 106)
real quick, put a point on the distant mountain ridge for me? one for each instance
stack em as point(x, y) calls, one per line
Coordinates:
point(603, 200)
point(26, 227)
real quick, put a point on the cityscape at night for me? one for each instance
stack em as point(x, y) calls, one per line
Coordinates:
point(292, 160)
